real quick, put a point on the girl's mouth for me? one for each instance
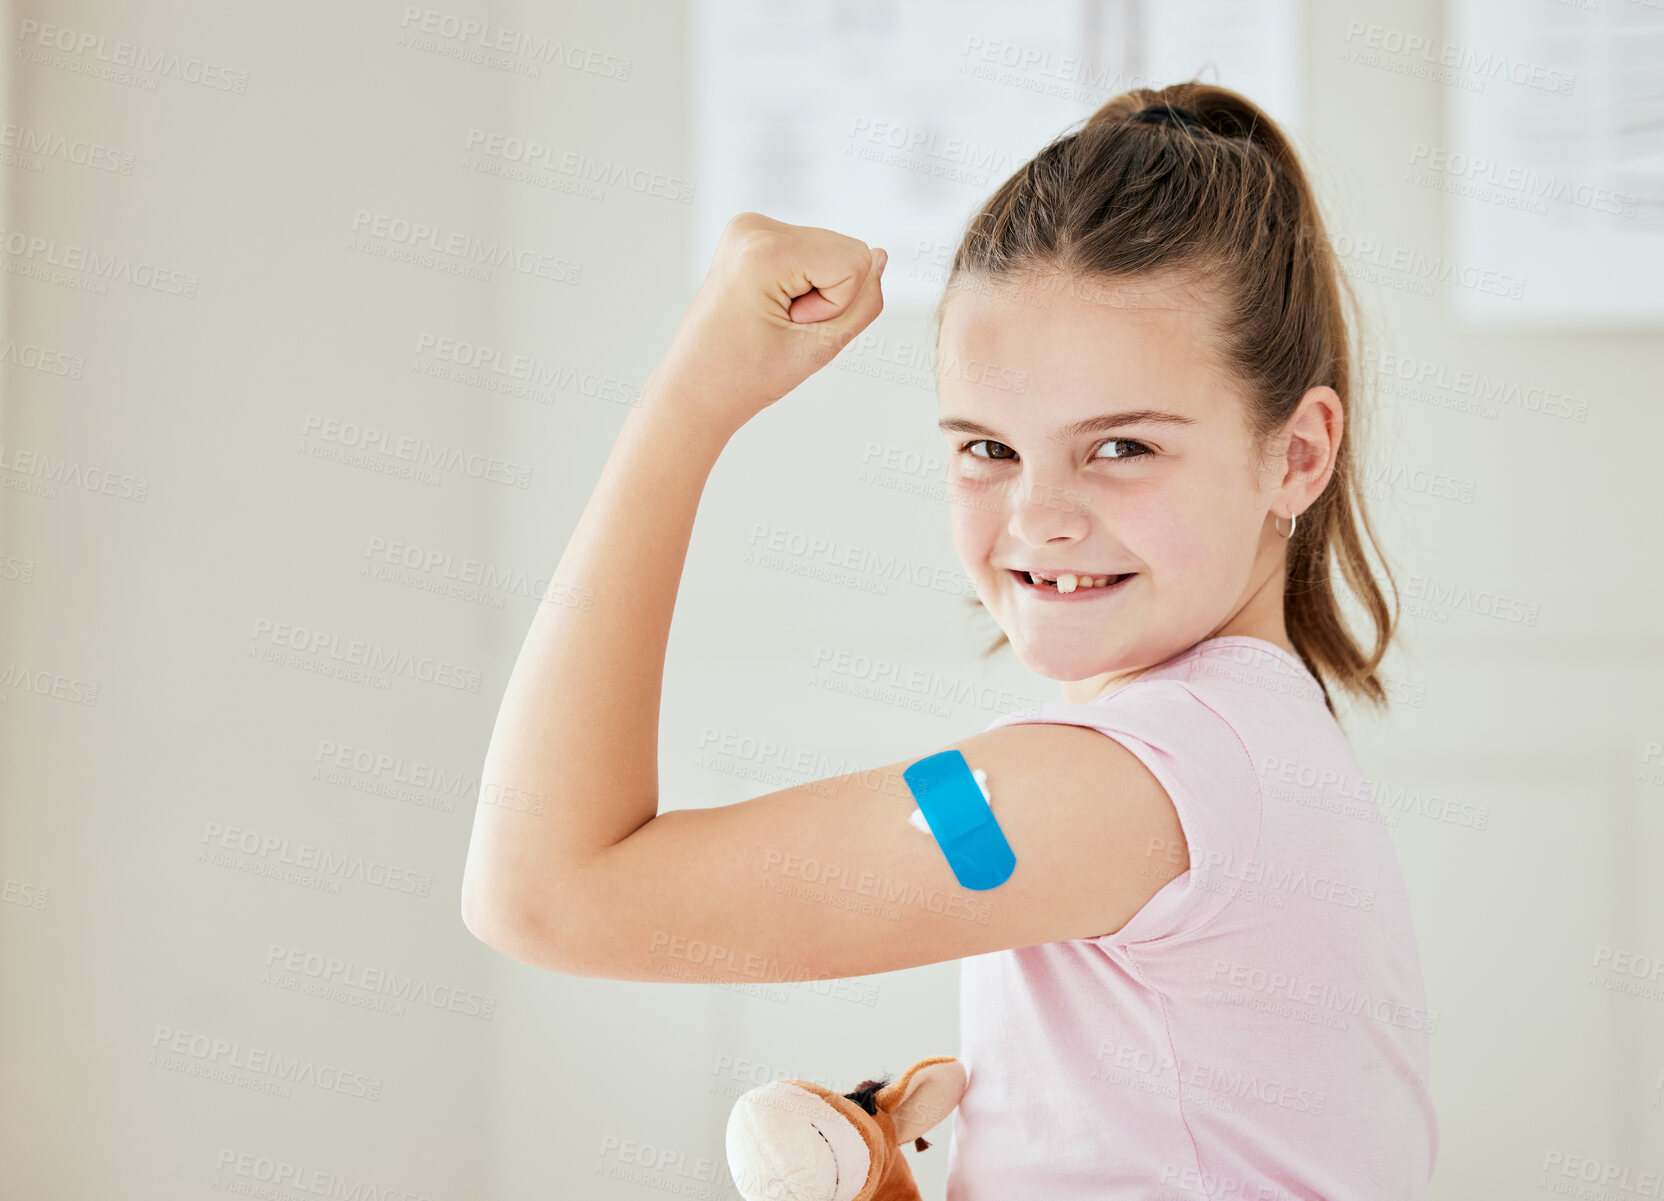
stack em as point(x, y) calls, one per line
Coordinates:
point(1049, 589)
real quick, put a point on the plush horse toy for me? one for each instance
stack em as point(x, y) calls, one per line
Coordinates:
point(793, 1140)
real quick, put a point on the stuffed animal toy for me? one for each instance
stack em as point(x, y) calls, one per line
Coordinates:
point(793, 1140)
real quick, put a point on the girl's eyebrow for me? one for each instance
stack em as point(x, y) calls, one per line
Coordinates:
point(1090, 425)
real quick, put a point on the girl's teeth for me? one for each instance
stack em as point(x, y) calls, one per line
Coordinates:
point(1069, 581)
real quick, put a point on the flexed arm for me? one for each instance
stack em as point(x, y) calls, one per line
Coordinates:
point(572, 766)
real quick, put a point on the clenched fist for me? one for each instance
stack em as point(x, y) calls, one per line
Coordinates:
point(778, 303)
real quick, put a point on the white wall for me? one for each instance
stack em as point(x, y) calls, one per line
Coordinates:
point(118, 937)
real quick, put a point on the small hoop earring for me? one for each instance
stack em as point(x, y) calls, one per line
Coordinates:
point(1292, 518)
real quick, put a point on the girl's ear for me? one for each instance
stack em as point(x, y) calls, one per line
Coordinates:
point(926, 1094)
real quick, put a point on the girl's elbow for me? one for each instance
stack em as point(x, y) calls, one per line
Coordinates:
point(507, 924)
point(489, 916)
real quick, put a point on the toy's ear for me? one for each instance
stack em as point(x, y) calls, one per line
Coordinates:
point(923, 1096)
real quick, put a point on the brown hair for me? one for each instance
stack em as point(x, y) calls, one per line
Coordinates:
point(1195, 182)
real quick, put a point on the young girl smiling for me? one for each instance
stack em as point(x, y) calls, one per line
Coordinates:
point(1201, 979)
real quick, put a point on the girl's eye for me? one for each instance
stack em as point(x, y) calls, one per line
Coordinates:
point(1142, 451)
point(984, 442)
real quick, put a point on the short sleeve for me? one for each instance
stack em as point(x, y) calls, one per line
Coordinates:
point(1202, 762)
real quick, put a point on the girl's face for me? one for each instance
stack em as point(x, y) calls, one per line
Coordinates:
point(1089, 434)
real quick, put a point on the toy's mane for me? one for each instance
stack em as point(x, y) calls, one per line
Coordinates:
point(864, 1097)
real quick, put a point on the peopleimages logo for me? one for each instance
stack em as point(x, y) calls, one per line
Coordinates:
point(45, 359)
point(35, 36)
point(308, 857)
point(281, 636)
point(46, 144)
point(257, 1068)
point(422, 238)
point(539, 48)
point(337, 976)
point(1333, 998)
point(32, 250)
point(370, 440)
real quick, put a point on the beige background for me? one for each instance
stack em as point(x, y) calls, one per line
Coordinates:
point(127, 954)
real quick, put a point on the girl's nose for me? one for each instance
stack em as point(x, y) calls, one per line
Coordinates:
point(1043, 510)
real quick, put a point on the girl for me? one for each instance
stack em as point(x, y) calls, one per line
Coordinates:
point(1201, 979)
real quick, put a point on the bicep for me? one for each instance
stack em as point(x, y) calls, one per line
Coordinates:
point(831, 880)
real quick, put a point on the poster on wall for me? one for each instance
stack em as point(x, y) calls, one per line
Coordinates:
point(864, 119)
point(1553, 164)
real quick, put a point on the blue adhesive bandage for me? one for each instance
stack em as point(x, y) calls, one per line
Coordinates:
point(955, 805)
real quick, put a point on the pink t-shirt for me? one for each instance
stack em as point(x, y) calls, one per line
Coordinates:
point(1259, 1029)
